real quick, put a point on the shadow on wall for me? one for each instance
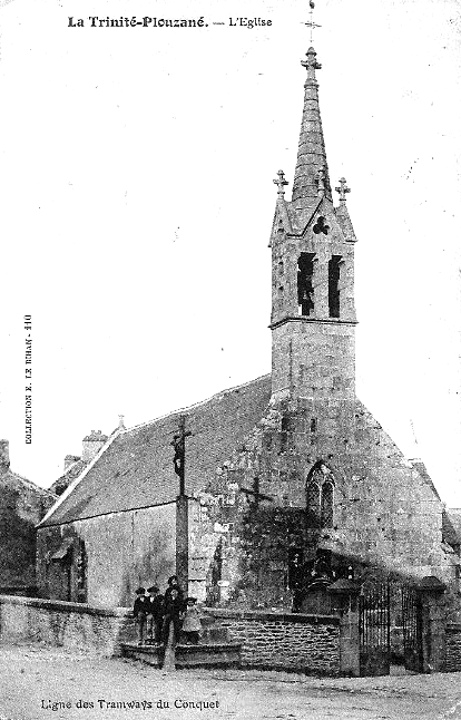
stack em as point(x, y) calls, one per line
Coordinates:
point(269, 537)
point(153, 567)
point(17, 542)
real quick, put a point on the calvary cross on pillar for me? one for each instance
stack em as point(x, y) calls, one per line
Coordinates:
point(255, 494)
point(182, 506)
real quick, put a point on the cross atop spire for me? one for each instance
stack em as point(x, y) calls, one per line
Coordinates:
point(343, 189)
point(310, 23)
point(311, 64)
point(280, 182)
point(311, 178)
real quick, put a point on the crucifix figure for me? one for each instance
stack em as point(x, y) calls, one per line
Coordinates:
point(342, 189)
point(280, 182)
point(179, 460)
point(255, 494)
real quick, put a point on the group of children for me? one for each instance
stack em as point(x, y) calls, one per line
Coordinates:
point(155, 613)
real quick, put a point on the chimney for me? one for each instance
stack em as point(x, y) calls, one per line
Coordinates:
point(91, 444)
point(70, 460)
point(4, 455)
point(121, 422)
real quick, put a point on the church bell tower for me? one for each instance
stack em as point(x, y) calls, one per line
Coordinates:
point(312, 241)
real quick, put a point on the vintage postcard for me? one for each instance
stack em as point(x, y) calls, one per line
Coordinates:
point(230, 373)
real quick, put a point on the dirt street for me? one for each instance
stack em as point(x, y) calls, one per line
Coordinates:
point(39, 684)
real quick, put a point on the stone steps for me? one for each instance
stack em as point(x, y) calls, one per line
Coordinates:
point(203, 655)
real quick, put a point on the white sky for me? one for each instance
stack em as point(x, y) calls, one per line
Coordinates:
point(137, 199)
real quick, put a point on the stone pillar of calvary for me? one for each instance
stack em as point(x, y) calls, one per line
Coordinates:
point(182, 519)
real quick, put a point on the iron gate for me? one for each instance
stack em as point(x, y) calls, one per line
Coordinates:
point(412, 624)
point(375, 629)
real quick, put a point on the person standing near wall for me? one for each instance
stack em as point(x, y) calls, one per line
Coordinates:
point(173, 584)
point(174, 605)
point(140, 613)
point(154, 610)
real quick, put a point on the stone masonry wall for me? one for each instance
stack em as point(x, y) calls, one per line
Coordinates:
point(453, 648)
point(75, 627)
point(124, 550)
point(386, 514)
point(304, 643)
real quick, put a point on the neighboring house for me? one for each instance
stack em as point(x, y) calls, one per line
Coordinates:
point(289, 478)
point(22, 506)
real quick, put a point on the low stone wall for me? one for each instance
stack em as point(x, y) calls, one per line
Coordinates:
point(302, 643)
point(453, 648)
point(74, 626)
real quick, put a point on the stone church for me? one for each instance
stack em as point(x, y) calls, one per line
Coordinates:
point(288, 479)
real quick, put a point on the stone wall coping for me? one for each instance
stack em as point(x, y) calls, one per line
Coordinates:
point(223, 613)
point(453, 628)
point(274, 616)
point(62, 606)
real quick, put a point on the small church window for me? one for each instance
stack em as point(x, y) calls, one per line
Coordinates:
point(321, 226)
point(305, 286)
point(326, 518)
point(334, 271)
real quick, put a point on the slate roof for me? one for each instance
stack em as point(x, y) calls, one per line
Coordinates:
point(135, 469)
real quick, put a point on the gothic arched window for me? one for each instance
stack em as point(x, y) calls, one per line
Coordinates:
point(313, 502)
point(326, 516)
point(320, 496)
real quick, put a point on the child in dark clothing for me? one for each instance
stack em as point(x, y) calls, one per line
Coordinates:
point(154, 615)
point(139, 612)
point(173, 614)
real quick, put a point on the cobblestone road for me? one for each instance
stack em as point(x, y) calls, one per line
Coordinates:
point(36, 684)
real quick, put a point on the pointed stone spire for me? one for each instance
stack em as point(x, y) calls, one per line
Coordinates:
point(311, 174)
